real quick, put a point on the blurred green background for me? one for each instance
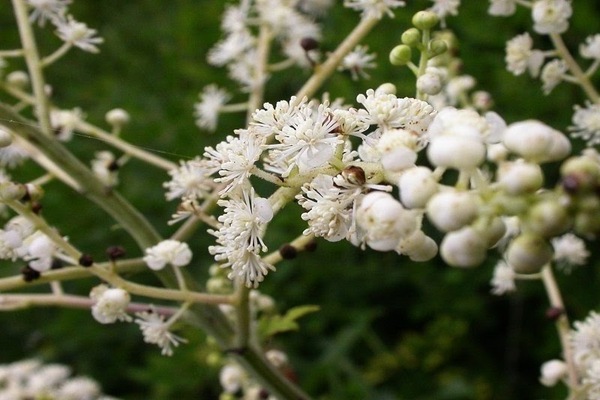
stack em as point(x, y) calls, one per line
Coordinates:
point(388, 328)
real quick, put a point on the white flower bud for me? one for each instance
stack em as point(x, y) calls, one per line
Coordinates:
point(429, 83)
point(547, 218)
point(536, 141)
point(417, 185)
point(386, 88)
point(232, 378)
point(384, 220)
point(418, 246)
point(528, 253)
point(173, 252)
point(553, 371)
point(452, 210)
point(464, 248)
point(5, 137)
point(117, 117)
point(396, 147)
point(457, 151)
point(518, 177)
point(18, 79)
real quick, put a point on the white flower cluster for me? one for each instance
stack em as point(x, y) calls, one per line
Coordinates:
point(19, 239)
point(31, 379)
point(68, 29)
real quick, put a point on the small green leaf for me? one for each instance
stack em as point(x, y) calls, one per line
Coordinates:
point(275, 324)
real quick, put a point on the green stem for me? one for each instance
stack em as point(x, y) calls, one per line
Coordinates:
point(34, 65)
point(582, 79)
point(325, 70)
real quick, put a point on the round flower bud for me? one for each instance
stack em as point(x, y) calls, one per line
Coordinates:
point(587, 223)
point(583, 170)
point(308, 43)
point(12, 191)
point(518, 177)
point(437, 47)
point(396, 147)
point(425, 20)
point(18, 79)
point(430, 84)
point(5, 137)
point(117, 117)
point(451, 210)
point(482, 100)
point(386, 88)
point(411, 37)
point(492, 231)
point(497, 153)
point(536, 141)
point(417, 185)
point(528, 253)
point(384, 221)
point(456, 151)
point(400, 55)
point(463, 248)
point(547, 218)
point(418, 246)
point(552, 372)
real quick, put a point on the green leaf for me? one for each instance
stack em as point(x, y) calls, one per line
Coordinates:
point(275, 324)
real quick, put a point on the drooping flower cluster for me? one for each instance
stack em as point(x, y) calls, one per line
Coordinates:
point(31, 379)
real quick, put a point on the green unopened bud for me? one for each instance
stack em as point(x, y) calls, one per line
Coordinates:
point(548, 218)
point(587, 224)
point(528, 253)
point(411, 37)
point(425, 20)
point(400, 55)
point(437, 47)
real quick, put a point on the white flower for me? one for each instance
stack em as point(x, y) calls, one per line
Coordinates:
point(357, 61)
point(13, 155)
point(169, 251)
point(591, 381)
point(105, 167)
point(553, 371)
point(374, 8)
point(444, 8)
point(232, 378)
point(235, 159)
point(110, 304)
point(585, 340)
point(521, 57)
point(231, 48)
point(591, 48)
point(329, 208)
point(239, 239)
point(387, 111)
point(156, 331)
point(40, 251)
point(552, 74)
point(80, 388)
point(308, 142)
point(503, 280)
point(586, 123)
point(64, 122)
point(206, 111)
point(47, 10)
point(191, 180)
point(551, 16)
point(78, 34)
point(502, 7)
point(569, 251)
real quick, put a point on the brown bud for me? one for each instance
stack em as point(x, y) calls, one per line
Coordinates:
point(115, 252)
point(288, 251)
point(309, 44)
point(554, 313)
point(29, 274)
point(86, 260)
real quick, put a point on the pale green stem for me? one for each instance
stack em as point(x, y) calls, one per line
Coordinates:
point(562, 323)
point(231, 108)
point(325, 70)
point(260, 71)
point(423, 60)
point(592, 68)
point(264, 175)
point(61, 51)
point(11, 53)
point(282, 65)
point(34, 65)
point(582, 79)
point(129, 149)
